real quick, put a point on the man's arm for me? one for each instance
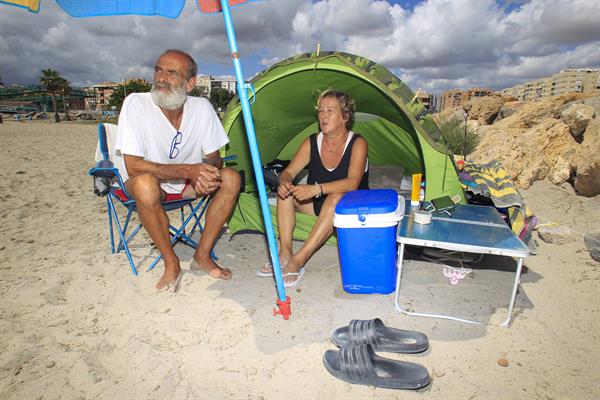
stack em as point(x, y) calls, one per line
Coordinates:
point(214, 159)
point(205, 178)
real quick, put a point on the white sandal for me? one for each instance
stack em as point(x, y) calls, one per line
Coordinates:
point(293, 283)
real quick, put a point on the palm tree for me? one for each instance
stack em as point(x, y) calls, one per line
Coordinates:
point(65, 89)
point(52, 81)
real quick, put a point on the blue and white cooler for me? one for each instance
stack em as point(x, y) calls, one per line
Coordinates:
point(366, 222)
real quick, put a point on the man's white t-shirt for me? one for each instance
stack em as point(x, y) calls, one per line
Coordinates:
point(144, 131)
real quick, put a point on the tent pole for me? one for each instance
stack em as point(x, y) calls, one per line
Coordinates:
point(242, 88)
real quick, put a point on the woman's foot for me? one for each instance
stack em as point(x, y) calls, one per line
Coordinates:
point(267, 269)
point(294, 271)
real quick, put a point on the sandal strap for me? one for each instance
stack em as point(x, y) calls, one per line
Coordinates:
point(363, 332)
point(356, 362)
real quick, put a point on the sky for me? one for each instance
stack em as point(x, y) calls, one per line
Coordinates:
point(433, 45)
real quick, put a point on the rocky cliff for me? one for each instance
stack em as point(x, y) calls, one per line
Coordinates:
point(555, 139)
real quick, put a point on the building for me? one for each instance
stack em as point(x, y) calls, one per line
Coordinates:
point(223, 82)
point(457, 97)
point(203, 84)
point(98, 96)
point(430, 101)
point(582, 80)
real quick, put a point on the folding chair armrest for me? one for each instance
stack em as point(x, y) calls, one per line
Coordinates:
point(103, 172)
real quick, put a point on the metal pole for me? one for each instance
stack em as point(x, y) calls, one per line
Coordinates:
point(256, 161)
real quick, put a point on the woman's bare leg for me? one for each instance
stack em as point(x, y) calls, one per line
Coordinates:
point(319, 234)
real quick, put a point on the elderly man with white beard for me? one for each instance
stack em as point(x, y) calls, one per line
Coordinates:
point(170, 145)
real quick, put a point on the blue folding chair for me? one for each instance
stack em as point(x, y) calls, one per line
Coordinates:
point(108, 183)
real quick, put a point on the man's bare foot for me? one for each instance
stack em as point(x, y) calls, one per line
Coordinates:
point(169, 277)
point(211, 268)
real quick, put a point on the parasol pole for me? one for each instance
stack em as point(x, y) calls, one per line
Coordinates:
point(283, 302)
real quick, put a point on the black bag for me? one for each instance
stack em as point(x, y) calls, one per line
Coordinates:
point(272, 170)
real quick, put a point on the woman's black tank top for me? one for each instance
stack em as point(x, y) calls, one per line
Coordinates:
point(317, 173)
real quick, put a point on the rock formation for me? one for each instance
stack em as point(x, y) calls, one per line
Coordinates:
point(555, 139)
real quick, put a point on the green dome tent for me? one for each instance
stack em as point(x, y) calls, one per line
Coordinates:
point(398, 128)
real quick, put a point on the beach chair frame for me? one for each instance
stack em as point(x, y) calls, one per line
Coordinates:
point(195, 208)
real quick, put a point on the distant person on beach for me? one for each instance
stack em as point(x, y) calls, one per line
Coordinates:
point(337, 163)
point(170, 144)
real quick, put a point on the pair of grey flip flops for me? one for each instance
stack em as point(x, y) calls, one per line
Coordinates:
point(356, 361)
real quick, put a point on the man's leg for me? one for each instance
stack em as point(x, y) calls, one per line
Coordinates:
point(146, 191)
point(218, 211)
point(319, 234)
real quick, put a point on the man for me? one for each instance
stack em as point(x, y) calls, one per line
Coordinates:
point(170, 145)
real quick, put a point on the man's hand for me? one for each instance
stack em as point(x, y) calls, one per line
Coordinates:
point(305, 192)
point(204, 178)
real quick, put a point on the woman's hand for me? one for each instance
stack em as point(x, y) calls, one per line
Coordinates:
point(305, 192)
point(284, 190)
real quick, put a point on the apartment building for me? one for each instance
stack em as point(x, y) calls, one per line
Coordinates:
point(457, 97)
point(430, 101)
point(581, 80)
point(223, 82)
point(203, 83)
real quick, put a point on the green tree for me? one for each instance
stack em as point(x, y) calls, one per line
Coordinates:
point(220, 97)
point(133, 86)
point(51, 81)
point(197, 92)
point(453, 136)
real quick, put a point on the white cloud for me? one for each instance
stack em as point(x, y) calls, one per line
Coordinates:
point(436, 46)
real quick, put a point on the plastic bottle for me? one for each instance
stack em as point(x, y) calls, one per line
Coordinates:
point(422, 191)
point(414, 193)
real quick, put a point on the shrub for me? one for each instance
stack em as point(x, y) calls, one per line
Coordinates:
point(453, 136)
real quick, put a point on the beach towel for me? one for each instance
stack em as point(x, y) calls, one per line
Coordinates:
point(493, 181)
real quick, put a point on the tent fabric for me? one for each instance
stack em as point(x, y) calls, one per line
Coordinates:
point(94, 8)
point(31, 5)
point(214, 6)
point(398, 129)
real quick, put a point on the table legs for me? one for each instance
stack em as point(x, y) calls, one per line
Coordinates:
point(514, 291)
point(416, 314)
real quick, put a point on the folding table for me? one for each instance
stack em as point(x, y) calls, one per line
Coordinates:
point(468, 228)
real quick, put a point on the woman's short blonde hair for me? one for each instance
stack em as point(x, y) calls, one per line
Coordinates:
point(346, 102)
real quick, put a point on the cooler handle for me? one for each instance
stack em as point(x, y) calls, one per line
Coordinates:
point(362, 213)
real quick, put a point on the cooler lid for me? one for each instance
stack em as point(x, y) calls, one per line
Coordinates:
point(365, 202)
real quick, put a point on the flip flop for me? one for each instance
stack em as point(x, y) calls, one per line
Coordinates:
point(382, 338)
point(263, 274)
point(293, 283)
point(360, 365)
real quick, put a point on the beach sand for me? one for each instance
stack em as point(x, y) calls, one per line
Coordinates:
point(76, 324)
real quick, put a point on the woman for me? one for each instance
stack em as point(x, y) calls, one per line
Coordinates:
point(337, 163)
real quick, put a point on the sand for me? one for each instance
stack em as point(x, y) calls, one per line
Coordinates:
point(75, 323)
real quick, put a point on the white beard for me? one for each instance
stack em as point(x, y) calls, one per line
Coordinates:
point(170, 100)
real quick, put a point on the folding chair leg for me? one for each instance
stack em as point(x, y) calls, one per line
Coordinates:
point(123, 241)
point(110, 226)
point(124, 230)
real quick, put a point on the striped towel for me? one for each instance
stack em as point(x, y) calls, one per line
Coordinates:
point(492, 181)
